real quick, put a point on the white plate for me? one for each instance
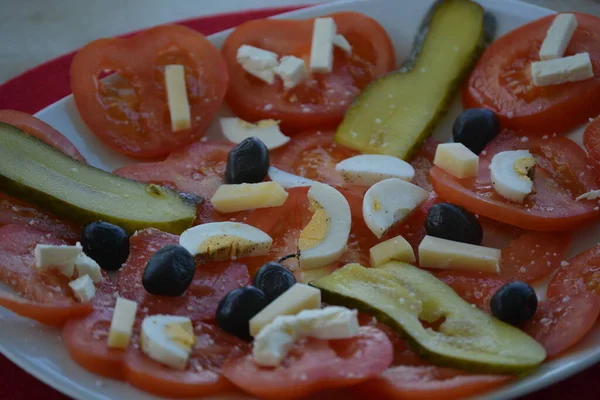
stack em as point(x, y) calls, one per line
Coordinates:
point(39, 349)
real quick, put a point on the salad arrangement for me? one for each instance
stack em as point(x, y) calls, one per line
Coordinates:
point(326, 245)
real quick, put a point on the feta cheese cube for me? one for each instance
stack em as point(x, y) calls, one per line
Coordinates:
point(396, 248)
point(179, 106)
point(341, 42)
point(61, 258)
point(558, 37)
point(121, 325)
point(321, 54)
point(292, 71)
point(258, 62)
point(83, 288)
point(561, 70)
point(456, 159)
point(85, 265)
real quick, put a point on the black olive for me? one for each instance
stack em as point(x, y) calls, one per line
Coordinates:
point(452, 222)
point(237, 308)
point(106, 243)
point(248, 162)
point(514, 303)
point(475, 128)
point(273, 279)
point(169, 271)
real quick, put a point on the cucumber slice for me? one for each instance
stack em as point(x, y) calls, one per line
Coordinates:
point(396, 113)
point(459, 335)
point(39, 174)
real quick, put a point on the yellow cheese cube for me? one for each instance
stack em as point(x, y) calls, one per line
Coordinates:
point(179, 106)
point(122, 323)
point(447, 254)
point(393, 249)
point(297, 298)
point(247, 196)
point(309, 275)
point(457, 159)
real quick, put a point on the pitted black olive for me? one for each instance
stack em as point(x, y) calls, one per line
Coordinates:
point(475, 128)
point(248, 162)
point(237, 308)
point(514, 303)
point(169, 271)
point(452, 222)
point(273, 279)
point(105, 243)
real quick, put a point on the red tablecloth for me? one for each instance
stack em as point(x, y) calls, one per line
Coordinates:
point(47, 83)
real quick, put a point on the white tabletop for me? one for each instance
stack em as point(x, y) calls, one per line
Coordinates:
point(34, 31)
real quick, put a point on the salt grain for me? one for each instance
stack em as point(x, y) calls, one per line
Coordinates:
point(524, 139)
point(564, 263)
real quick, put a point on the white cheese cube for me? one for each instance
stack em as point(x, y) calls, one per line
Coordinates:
point(328, 323)
point(168, 339)
point(258, 62)
point(83, 288)
point(84, 265)
point(321, 53)
point(61, 258)
point(121, 325)
point(561, 70)
point(396, 248)
point(457, 159)
point(341, 42)
point(558, 37)
point(310, 275)
point(179, 106)
point(248, 196)
point(447, 254)
point(237, 130)
point(297, 298)
point(292, 71)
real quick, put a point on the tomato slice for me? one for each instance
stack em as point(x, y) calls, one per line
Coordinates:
point(201, 378)
point(51, 314)
point(197, 169)
point(130, 113)
point(314, 365)
point(212, 280)
point(422, 163)
point(321, 100)
point(501, 80)
point(41, 130)
point(591, 140)
point(563, 172)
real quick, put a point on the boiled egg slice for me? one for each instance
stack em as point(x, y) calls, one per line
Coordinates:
point(225, 240)
point(368, 169)
point(389, 202)
point(168, 339)
point(324, 239)
point(236, 130)
point(287, 180)
point(512, 173)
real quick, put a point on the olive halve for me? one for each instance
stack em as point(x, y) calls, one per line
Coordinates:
point(248, 162)
point(452, 222)
point(475, 128)
point(514, 303)
point(237, 308)
point(273, 279)
point(169, 272)
point(105, 243)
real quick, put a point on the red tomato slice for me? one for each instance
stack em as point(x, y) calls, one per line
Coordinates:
point(211, 282)
point(474, 287)
point(314, 365)
point(320, 101)
point(41, 130)
point(130, 113)
point(591, 140)
point(501, 80)
point(197, 169)
point(201, 378)
point(563, 172)
point(51, 314)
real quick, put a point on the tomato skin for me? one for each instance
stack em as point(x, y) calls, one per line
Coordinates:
point(131, 114)
point(48, 314)
point(591, 140)
point(327, 96)
point(501, 80)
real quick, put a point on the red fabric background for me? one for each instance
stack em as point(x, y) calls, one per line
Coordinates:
point(47, 83)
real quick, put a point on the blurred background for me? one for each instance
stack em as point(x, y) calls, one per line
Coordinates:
point(34, 31)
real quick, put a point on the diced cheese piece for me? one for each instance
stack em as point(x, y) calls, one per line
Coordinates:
point(341, 42)
point(561, 70)
point(292, 71)
point(389, 202)
point(324, 239)
point(179, 106)
point(122, 323)
point(83, 288)
point(368, 169)
point(275, 340)
point(297, 298)
point(310, 275)
point(447, 254)
point(168, 339)
point(85, 265)
point(287, 180)
point(591, 195)
point(236, 130)
point(225, 240)
point(396, 248)
point(258, 62)
point(61, 258)
point(456, 159)
point(321, 53)
point(248, 196)
point(512, 172)
point(558, 37)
